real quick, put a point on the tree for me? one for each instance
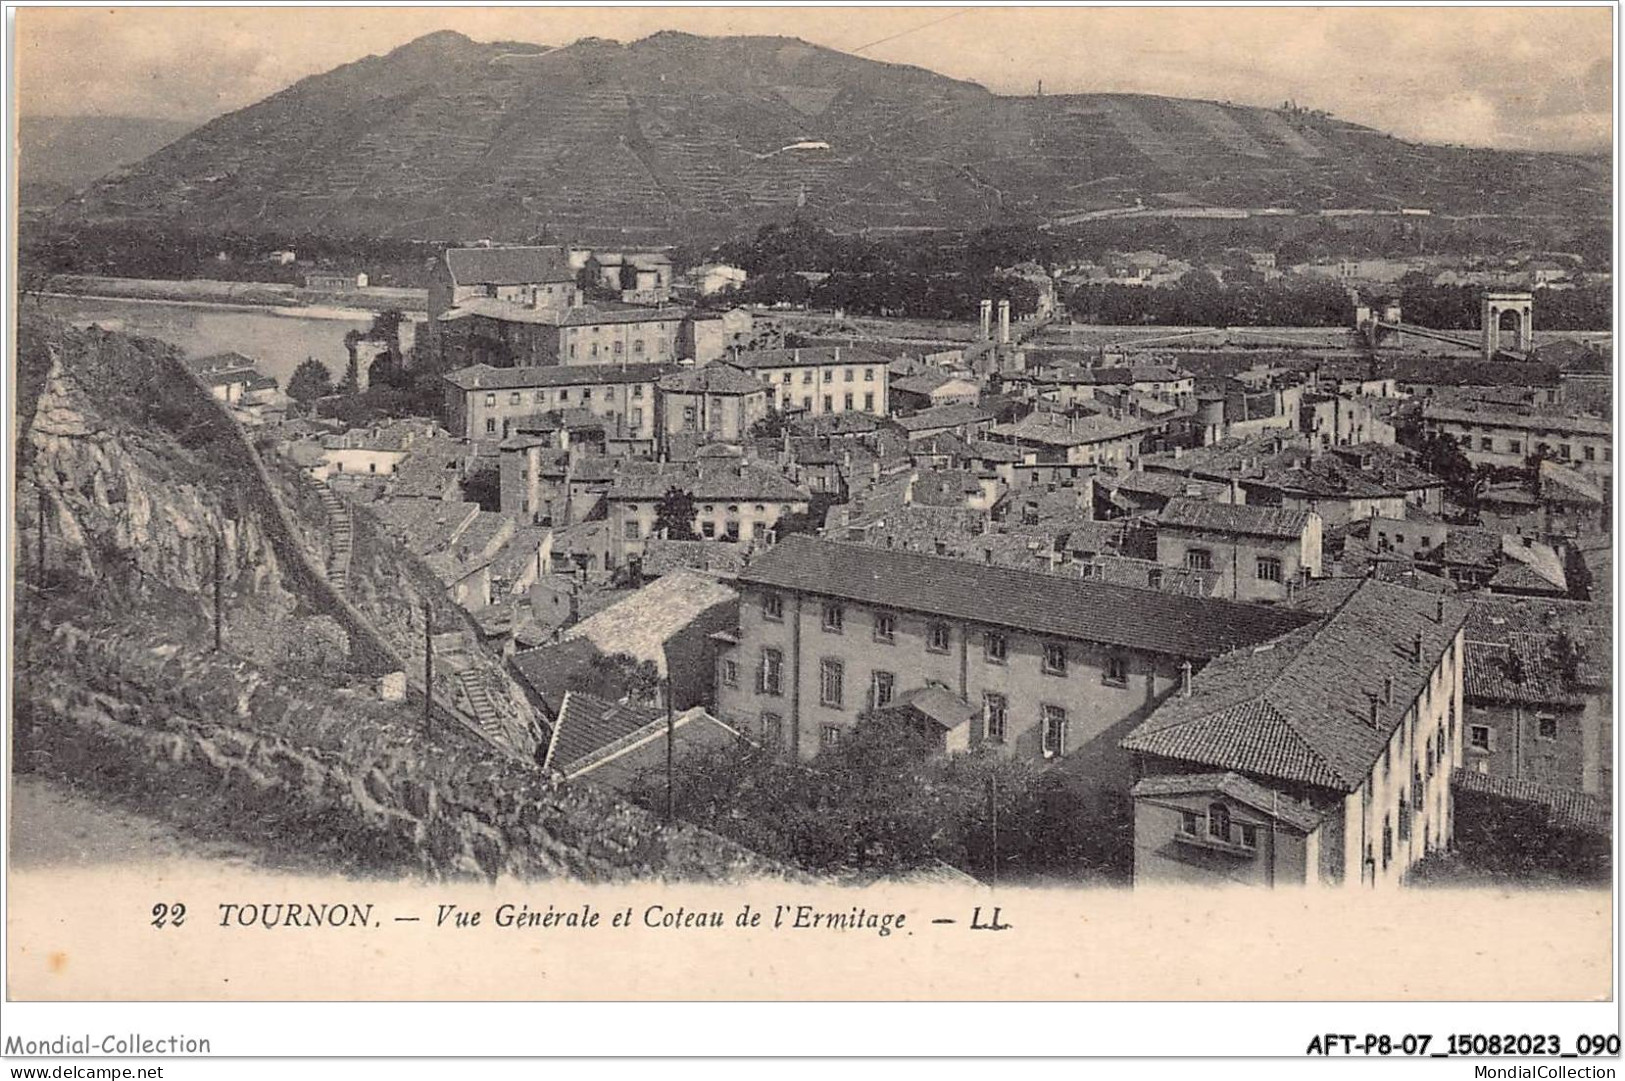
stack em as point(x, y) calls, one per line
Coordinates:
point(311, 380)
point(674, 515)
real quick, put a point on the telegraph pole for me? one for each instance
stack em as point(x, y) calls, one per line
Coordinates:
point(41, 552)
point(428, 672)
point(993, 822)
point(218, 574)
point(671, 736)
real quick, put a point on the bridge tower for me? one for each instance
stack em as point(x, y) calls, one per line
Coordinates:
point(1510, 314)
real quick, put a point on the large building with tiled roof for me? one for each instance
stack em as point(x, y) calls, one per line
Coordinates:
point(1503, 438)
point(485, 403)
point(821, 381)
point(734, 501)
point(1357, 717)
point(1053, 666)
point(718, 401)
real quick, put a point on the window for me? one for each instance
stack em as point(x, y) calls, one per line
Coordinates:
point(564, 395)
point(1589, 452)
point(772, 607)
point(1268, 569)
point(834, 618)
point(832, 735)
point(586, 394)
point(1547, 726)
point(1199, 559)
point(1054, 731)
point(885, 627)
point(637, 416)
point(1404, 818)
point(868, 375)
point(831, 683)
point(637, 390)
point(730, 673)
point(1515, 446)
point(770, 678)
point(1116, 671)
point(937, 637)
point(786, 379)
point(1249, 836)
point(847, 401)
point(513, 398)
point(708, 530)
point(846, 375)
point(1189, 823)
point(881, 691)
point(1054, 659)
point(1387, 841)
point(829, 403)
point(632, 530)
point(1486, 443)
point(829, 375)
point(807, 377)
point(490, 425)
point(869, 402)
point(1153, 579)
point(490, 399)
point(994, 647)
point(1479, 737)
point(1218, 822)
point(994, 711)
point(772, 730)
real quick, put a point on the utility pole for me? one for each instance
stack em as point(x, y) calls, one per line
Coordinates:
point(993, 824)
point(428, 672)
point(671, 736)
point(41, 551)
point(219, 573)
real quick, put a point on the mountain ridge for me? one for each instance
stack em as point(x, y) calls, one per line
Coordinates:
point(446, 138)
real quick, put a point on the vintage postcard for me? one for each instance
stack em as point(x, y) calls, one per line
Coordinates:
point(1063, 504)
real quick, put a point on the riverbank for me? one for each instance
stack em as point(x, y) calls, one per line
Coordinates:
point(351, 304)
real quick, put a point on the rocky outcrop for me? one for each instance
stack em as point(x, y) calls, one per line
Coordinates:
point(220, 748)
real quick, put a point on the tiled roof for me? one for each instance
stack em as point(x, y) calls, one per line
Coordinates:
point(485, 377)
point(807, 357)
point(724, 482)
point(1067, 432)
point(1534, 422)
point(1241, 789)
point(1184, 512)
point(1471, 546)
point(1442, 372)
point(585, 725)
point(944, 416)
point(1040, 603)
point(1495, 618)
point(1524, 670)
point(1299, 708)
point(640, 625)
point(943, 708)
point(713, 379)
point(661, 556)
point(509, 266)
point(625, 762)
point(1567, 808)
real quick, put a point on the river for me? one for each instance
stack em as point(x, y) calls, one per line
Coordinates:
point(278, 339)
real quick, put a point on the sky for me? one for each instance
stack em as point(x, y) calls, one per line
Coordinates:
point(1514, 78)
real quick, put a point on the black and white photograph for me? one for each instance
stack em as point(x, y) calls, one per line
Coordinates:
point(799, 486)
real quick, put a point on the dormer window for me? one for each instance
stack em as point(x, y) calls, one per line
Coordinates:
point(1218, 822)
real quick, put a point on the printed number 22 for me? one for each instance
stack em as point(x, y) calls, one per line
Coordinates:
point(168, 915)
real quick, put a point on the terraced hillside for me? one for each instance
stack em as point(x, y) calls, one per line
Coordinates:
point(675, 134)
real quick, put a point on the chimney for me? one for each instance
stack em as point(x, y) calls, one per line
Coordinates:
point(1004, 322)
point(1438, 609)
point(1416, 648)
point(987, 320)
point(837, 354)
point(1387, 690)
point(1374, 710)
point(1185, 679)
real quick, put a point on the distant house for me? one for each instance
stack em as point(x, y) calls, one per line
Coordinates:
point(718, 401)
point(334, 282)
point(818, 382)
point(929, 389)
point(669, 623)
point(736, 502)
point(1062, 440)
point(710, 278)
point(621, 745)
point(1255, 553)
point(488, 404)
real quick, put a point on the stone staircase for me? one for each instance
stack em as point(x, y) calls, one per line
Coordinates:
point(485, 711)
point(338, 522)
